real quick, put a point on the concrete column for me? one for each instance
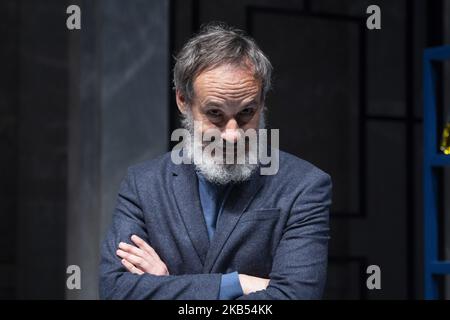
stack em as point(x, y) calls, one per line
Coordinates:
point(118, 116)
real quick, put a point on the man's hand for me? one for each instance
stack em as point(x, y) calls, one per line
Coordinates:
point(144, 259)
point(251, 284)
point(141, 259)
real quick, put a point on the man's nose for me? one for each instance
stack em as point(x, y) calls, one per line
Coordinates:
point(231, 133)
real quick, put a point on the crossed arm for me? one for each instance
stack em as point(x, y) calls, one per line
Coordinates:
point(298, 270)
point(142, 258)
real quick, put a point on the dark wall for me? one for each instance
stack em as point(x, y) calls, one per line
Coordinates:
point(34, 137)
point(9, 79)
point(76, 110)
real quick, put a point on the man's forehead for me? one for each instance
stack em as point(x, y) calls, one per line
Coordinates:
point(218, 101)
point(227, 74)
point(227, 83)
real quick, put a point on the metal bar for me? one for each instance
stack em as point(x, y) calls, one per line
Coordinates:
point(431, 159)
point(440, 267)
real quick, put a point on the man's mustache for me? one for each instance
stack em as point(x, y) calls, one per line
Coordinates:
point(226, 144)
point(194, 144)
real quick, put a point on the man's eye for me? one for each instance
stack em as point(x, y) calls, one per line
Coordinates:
point(214, 113)
point(247, 111)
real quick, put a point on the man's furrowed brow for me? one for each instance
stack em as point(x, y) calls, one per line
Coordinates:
point(252, 102)
point(213, 102)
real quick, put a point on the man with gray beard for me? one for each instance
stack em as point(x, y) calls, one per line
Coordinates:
point(218, 227)
point(215, 171)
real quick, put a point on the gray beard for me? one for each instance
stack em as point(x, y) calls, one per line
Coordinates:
point(221, 174)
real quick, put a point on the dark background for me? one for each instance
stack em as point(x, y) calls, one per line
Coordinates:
point(78, 107)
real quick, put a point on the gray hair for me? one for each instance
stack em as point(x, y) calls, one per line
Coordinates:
point(214, 45)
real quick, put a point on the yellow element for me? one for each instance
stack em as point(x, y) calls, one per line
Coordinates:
point(445, 144)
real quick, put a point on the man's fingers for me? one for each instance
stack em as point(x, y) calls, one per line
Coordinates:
point(144, 258)
point(144, 246)
point(131, 267)
point(135, 260)
point(132, 249)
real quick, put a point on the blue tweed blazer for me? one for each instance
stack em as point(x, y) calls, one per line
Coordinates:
point(275, 227)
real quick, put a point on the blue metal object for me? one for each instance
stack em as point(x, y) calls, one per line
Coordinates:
point(432, 159)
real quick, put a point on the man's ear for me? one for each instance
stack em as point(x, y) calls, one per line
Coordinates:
point(181, 101)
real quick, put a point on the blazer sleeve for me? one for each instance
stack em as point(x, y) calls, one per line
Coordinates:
point(118, 283)
point(300, 260)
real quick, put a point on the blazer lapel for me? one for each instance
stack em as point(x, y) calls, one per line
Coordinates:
point(238, 200)
point(185, 185)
